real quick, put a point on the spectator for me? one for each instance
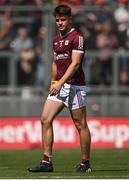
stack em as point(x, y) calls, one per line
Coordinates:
point(39, 3)
point(73, 4)
point(38, 17)
point(124, 64)
point(26, 62)
point(6, 34)
point(20, 2)
point(39, 50)
point(104, 60)
point(26, 68)
point(88, 2)
point(55, 2)
point(3, 2)
point(121, 15)
point(22, 40)
point(109, 18)
point(6, 25)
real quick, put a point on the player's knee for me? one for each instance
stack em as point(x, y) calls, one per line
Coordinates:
point(45, 121)
point(79, 125)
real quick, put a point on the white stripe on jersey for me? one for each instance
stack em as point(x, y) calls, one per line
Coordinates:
point(79, 51)
point(80, 45)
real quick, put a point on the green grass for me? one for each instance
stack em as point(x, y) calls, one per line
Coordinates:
point(107, 164)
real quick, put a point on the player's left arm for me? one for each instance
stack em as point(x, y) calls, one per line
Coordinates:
point(76, 60)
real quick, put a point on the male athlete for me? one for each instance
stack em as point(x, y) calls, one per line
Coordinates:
point(67, 89)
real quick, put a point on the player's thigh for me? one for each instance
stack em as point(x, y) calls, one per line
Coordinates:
point(79, 116)
point(51, 109)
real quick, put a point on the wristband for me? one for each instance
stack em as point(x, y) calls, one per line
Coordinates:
point(54, 81)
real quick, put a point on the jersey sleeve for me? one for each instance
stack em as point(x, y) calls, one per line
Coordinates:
point(54, 53)
point(79, 44)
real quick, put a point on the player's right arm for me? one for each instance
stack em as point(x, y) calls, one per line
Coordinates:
point(55, 87)
point(53, 71)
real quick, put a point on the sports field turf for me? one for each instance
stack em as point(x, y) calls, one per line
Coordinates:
point(107, 164)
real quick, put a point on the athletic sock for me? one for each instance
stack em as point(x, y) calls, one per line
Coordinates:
point(47, 159)
point(85, 161)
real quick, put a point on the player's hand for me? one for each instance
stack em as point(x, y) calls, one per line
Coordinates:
point(54, 88)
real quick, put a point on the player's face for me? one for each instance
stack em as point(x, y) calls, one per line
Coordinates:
point(63, 23)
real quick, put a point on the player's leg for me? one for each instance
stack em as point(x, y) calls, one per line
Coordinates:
point(50, 110)
point(79, 119)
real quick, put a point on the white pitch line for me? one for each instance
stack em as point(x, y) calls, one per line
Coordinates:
point(69, 177)
point(4, 167)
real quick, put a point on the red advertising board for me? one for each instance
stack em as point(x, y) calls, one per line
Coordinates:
point(24, 133)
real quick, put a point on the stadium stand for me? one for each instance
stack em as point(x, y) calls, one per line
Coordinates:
point(26, 31)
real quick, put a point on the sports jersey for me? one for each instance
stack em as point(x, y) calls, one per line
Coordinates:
point(63, 47)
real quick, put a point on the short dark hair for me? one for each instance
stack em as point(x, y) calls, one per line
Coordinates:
point(63, 10)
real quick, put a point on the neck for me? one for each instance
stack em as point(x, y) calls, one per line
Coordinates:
point(66, 31)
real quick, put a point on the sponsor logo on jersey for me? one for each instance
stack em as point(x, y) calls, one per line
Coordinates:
point(62, 56)
point(66, 42)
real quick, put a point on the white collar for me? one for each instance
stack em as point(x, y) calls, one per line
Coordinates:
point(71, 30)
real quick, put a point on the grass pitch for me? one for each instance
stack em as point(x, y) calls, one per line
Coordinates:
point(106, 164)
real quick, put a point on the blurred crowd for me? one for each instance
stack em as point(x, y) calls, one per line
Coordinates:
point(104, 23)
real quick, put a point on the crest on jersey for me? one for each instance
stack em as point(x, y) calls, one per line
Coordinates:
point(55, 43)
point(66, 42)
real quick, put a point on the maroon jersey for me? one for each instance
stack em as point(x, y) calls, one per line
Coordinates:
point(63, 47)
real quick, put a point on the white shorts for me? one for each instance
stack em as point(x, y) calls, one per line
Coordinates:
point(73, 96)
